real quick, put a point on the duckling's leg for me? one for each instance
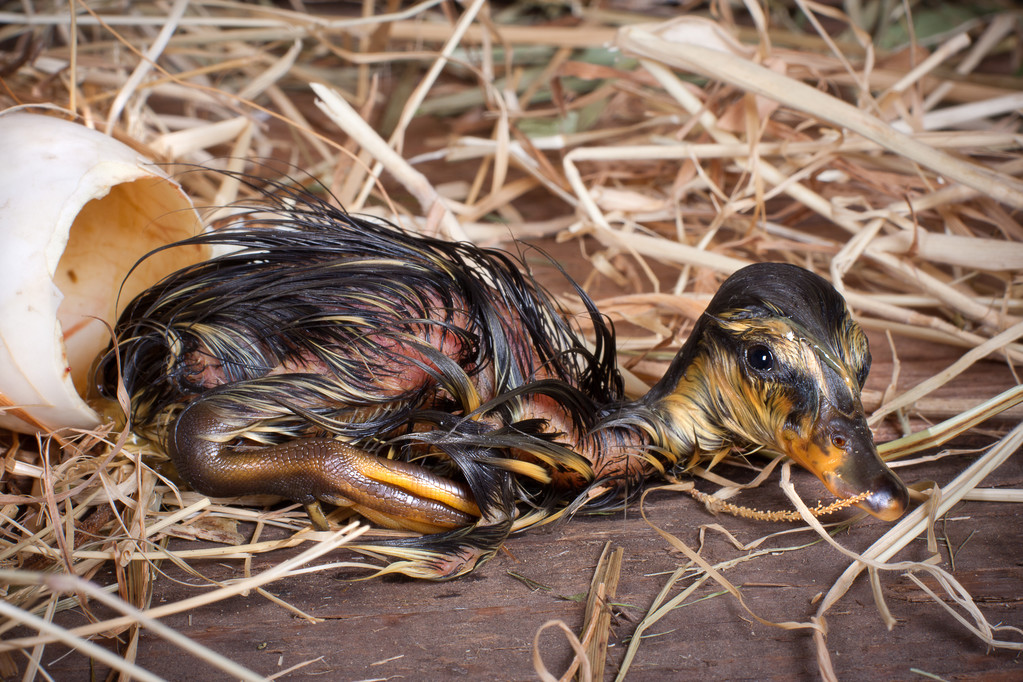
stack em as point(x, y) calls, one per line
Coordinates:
point(393, 493)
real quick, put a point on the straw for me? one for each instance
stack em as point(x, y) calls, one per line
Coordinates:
point(670, 154)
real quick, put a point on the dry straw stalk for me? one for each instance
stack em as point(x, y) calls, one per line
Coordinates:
point(687, 150)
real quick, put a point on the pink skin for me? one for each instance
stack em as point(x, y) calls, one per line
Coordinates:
point(608, 459)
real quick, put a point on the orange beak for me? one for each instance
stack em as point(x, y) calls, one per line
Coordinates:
point(840, 451)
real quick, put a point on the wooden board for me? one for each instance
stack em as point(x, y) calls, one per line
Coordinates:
point(482, 626)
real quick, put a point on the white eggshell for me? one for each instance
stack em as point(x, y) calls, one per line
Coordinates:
point(77, 210)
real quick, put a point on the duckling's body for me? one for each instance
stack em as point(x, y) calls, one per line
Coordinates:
point(433, 386)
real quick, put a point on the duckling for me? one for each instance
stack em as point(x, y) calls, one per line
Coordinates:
point(435, 387)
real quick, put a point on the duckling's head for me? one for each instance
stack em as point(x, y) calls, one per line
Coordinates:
point(777, 361)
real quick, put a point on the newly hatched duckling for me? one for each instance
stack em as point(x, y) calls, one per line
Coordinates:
point(434, 386)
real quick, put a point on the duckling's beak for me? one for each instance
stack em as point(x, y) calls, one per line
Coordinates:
point(839, 449)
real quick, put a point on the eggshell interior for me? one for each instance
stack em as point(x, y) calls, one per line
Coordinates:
point(109, 236)
point(78, 210)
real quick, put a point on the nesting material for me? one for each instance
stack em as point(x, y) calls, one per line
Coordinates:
point(669, 154)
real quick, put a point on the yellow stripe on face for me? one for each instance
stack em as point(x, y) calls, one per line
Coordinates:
point(796, 348)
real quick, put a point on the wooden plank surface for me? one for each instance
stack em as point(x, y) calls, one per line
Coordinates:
point(482, 626)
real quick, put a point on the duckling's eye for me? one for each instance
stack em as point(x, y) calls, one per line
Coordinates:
point(760, 358)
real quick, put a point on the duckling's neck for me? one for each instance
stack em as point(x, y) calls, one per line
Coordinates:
point(673, 426)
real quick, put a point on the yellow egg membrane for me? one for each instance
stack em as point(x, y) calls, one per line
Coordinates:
point(108, 237)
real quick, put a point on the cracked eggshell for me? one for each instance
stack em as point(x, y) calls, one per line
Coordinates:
point(77, 211)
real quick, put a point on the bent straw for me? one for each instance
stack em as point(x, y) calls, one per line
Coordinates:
point(757, 79)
